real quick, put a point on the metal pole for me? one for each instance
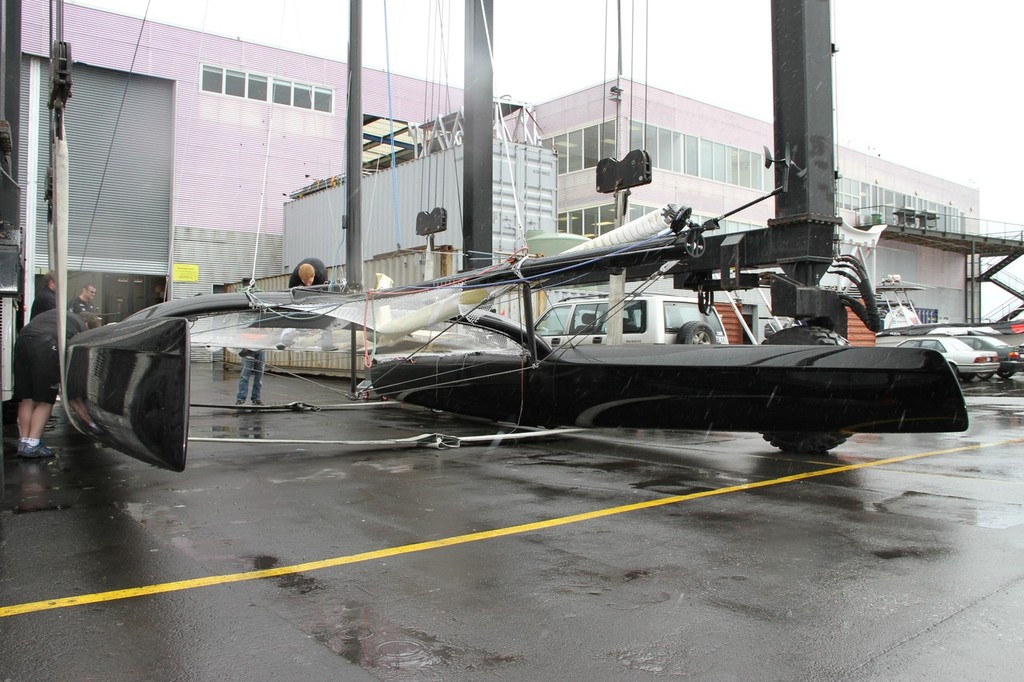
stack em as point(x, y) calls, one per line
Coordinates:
point(354, 167)
point(478, 147)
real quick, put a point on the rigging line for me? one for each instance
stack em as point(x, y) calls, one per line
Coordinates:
point(434, 186)
point(263, 195)
point(117, 122)
point(427, 89)
point(647, 49)
point(632, 82)
point(438, 187)
point(447, 327)
point(577, 338)
point(448, 97)
point(604, 73)
point(457, 382)
point(835, 98)
point(391, 126)
point(506, 145)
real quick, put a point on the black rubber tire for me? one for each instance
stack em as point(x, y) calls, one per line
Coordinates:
point(697, 333)
point(985, 376)
point(805, 336)
point(805, 442)
point(1006, 374)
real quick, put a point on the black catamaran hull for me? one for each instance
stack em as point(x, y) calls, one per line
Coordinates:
point(735, 388)
point(127, 386)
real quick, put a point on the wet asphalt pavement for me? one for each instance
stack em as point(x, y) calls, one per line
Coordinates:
point(609, 555)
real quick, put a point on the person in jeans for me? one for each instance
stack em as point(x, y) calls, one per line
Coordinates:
point(253, 363)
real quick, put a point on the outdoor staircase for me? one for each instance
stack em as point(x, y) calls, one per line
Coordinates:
point(1012, 308)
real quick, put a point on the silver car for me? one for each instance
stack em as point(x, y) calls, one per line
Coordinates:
point(965, 361)
point(1010, 361)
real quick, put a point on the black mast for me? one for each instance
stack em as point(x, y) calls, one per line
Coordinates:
point(477, 191)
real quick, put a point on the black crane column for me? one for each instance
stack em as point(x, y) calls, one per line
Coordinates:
point(803, 231)
point(478, 211)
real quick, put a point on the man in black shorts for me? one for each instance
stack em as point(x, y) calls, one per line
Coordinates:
point(37, 377)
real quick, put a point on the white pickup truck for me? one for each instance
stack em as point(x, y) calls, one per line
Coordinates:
point(648, 318)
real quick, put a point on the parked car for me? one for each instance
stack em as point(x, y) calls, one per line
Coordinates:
point(965, 361)
point(1010, 361)
point(649, 318)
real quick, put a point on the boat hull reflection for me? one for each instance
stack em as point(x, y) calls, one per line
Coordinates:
point(733, 388)
point(127, 386)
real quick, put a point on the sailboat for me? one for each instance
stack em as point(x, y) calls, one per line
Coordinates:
point(436, 345)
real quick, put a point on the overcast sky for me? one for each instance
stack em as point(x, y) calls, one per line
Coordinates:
point(929, 84)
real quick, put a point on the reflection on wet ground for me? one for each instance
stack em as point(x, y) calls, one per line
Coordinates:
point(534, 560)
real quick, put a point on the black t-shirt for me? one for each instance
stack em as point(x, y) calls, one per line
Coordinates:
point(79, 306)
point(319, 273)
point(45, 300)
point(43, 327)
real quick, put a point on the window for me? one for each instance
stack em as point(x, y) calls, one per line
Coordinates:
point(591, 220)
point(234, 83)
point(282, 92)
point(605, 218)
point(213, 79)
point(677, 153)
point(665, 149)
point(706, 159)
point(554, 320)
point(608, 140)
point(323, 100)
point(257, 87)
point(302, 96)
point(588, 318)
point(634, 318)
point(591, 146)
point(720, 162)
point(636, 135)
point(575, 146)
point(561, 147)
point(692, 155)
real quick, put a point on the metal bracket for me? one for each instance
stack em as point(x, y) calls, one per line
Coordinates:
point(634, 170)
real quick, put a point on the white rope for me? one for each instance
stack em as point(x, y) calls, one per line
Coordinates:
point(263, 193)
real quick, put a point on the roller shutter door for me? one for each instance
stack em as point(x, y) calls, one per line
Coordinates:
point(120, 135)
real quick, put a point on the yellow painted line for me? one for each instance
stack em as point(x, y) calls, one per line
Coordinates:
point(114, 595)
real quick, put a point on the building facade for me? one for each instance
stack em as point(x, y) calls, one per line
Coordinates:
point(186, 147)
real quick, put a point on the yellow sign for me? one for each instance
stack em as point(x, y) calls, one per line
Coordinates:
point(186, 272)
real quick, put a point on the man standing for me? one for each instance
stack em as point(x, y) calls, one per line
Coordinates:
point(253, 364)
point(37, 378)
point(83, 302)
point(46, 297)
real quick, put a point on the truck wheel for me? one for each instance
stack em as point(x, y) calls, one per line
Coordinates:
point(696, 332)
point(809, 443)
point(805, 442)
point(805, 336)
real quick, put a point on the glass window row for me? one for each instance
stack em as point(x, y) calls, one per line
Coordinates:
point(669, 150)
point(257, 87)
point(594, 221)
point(877, 205)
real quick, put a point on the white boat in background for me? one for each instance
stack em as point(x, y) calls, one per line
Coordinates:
point(903, 321)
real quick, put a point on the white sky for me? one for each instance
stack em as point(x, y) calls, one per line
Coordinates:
point(928, 84)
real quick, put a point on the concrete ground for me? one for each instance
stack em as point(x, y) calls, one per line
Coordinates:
point(608, 555)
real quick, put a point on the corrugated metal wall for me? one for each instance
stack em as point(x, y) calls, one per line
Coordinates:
point(312, 224)
point(224, 257)
point(120, 131)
